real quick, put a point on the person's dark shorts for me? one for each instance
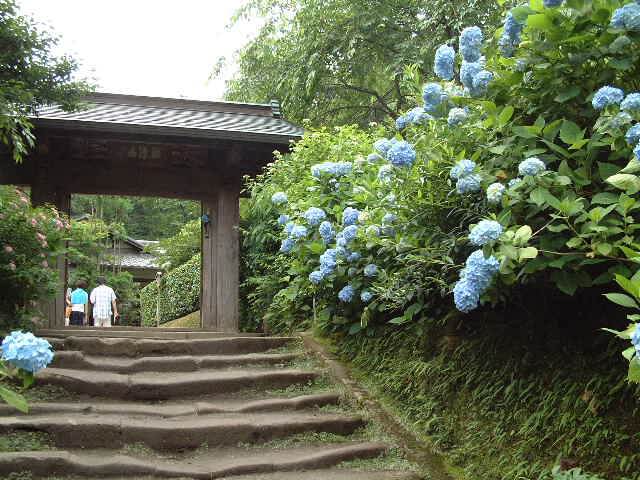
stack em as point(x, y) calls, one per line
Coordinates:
point(77, 318)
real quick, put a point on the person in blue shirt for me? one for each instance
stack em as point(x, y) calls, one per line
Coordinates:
point(79, 302)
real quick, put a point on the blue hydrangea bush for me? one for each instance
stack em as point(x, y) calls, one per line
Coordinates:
point(22, 355)
point(517, 165)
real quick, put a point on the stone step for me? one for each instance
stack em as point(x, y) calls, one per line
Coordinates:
point(178, 363)
point(183, 409)
point(141, 347)
point(224, 464)
point(140, 332)
point(161, 386)
point(178, 433)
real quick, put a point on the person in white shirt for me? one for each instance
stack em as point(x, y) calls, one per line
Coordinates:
point(103, 299)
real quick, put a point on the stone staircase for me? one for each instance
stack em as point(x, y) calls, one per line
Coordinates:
point(191, 404)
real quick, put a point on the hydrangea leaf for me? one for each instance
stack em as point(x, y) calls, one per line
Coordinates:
point(571, 133)
point(629, 352)
point(523, 234)
point(567, 94)
point(540, 21)
point(632, 167)
point(625, 181)
point(317, 248)
point(14, 399)
point(622, 299)
point(528, 253)
point(634, 370)
point(505, 115)
point(604, 198)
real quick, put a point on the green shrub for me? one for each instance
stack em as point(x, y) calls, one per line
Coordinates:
point(180, 294)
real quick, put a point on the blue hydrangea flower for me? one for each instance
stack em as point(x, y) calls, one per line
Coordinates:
point(620, 119)
point(382, 146)
point(401, 122)
point(328, 261)
point(388, 231)
point(283, 219)
point(475, 278)
point(468, 71)
point(314, 215)
point(26, 351)
point(433, 95)
point(401, 154)
point(511, 33)
point(371, 270)
point(521, 65)
point(316, 277)
point(633, 135)
point(350, 216)
point(631, 103)
point(389, 218)
point(457, 116)
point(418, 115)
point(531, 166)
point(552, 3)
point(635, 339)
point(607, 96)
point(374, 158)
point(495, 191)
point(350, 233)
point(326, 232)
point(331, 169)
point(636, 151)
point(299, 232)
point(461, 169)
point(353, 257)
point(279, 198)
point(470, 43)
point(484, 232)
point(366, 296)
point(385, 173)
point(287, 245)
point(468, 184)
point(373, 231)
point(480, 83)
point(341, 242)
point(627, 17)
point(288, 227)
point(513, 182)
point(346, 294)
point(444, 62)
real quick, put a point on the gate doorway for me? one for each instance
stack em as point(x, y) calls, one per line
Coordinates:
point(159, 147)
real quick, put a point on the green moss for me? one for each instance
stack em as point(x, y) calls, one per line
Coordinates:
point(25, 441)
point(500, 410)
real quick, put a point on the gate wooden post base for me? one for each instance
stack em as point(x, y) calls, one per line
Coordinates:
point(221, 261)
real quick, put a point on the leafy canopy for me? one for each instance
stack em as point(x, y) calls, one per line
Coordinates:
point(30, 76)
point(343, 61)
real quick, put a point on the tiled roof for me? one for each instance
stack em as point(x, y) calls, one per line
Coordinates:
point(166, 116)
point(135, 260)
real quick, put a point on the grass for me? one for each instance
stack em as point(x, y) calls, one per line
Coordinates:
point(25, 441)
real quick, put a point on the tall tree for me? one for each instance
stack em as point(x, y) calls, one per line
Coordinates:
point(30, 76)
point(342, 61)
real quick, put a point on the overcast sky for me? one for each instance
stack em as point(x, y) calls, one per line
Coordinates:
point(147, 47)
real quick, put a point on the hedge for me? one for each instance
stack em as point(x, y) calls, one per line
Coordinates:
point(180, 294)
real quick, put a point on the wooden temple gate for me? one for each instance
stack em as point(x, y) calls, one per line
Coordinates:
point(147, 146)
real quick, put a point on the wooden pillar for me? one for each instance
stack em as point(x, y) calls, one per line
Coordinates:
point(221, 261)
point(44, 190)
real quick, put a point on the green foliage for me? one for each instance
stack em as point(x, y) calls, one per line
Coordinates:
point(573, 474)
point(31, 239)
point(179, 294)
point(174, 251)
point(145, 218)
point(30, 76)
point(340, 61)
